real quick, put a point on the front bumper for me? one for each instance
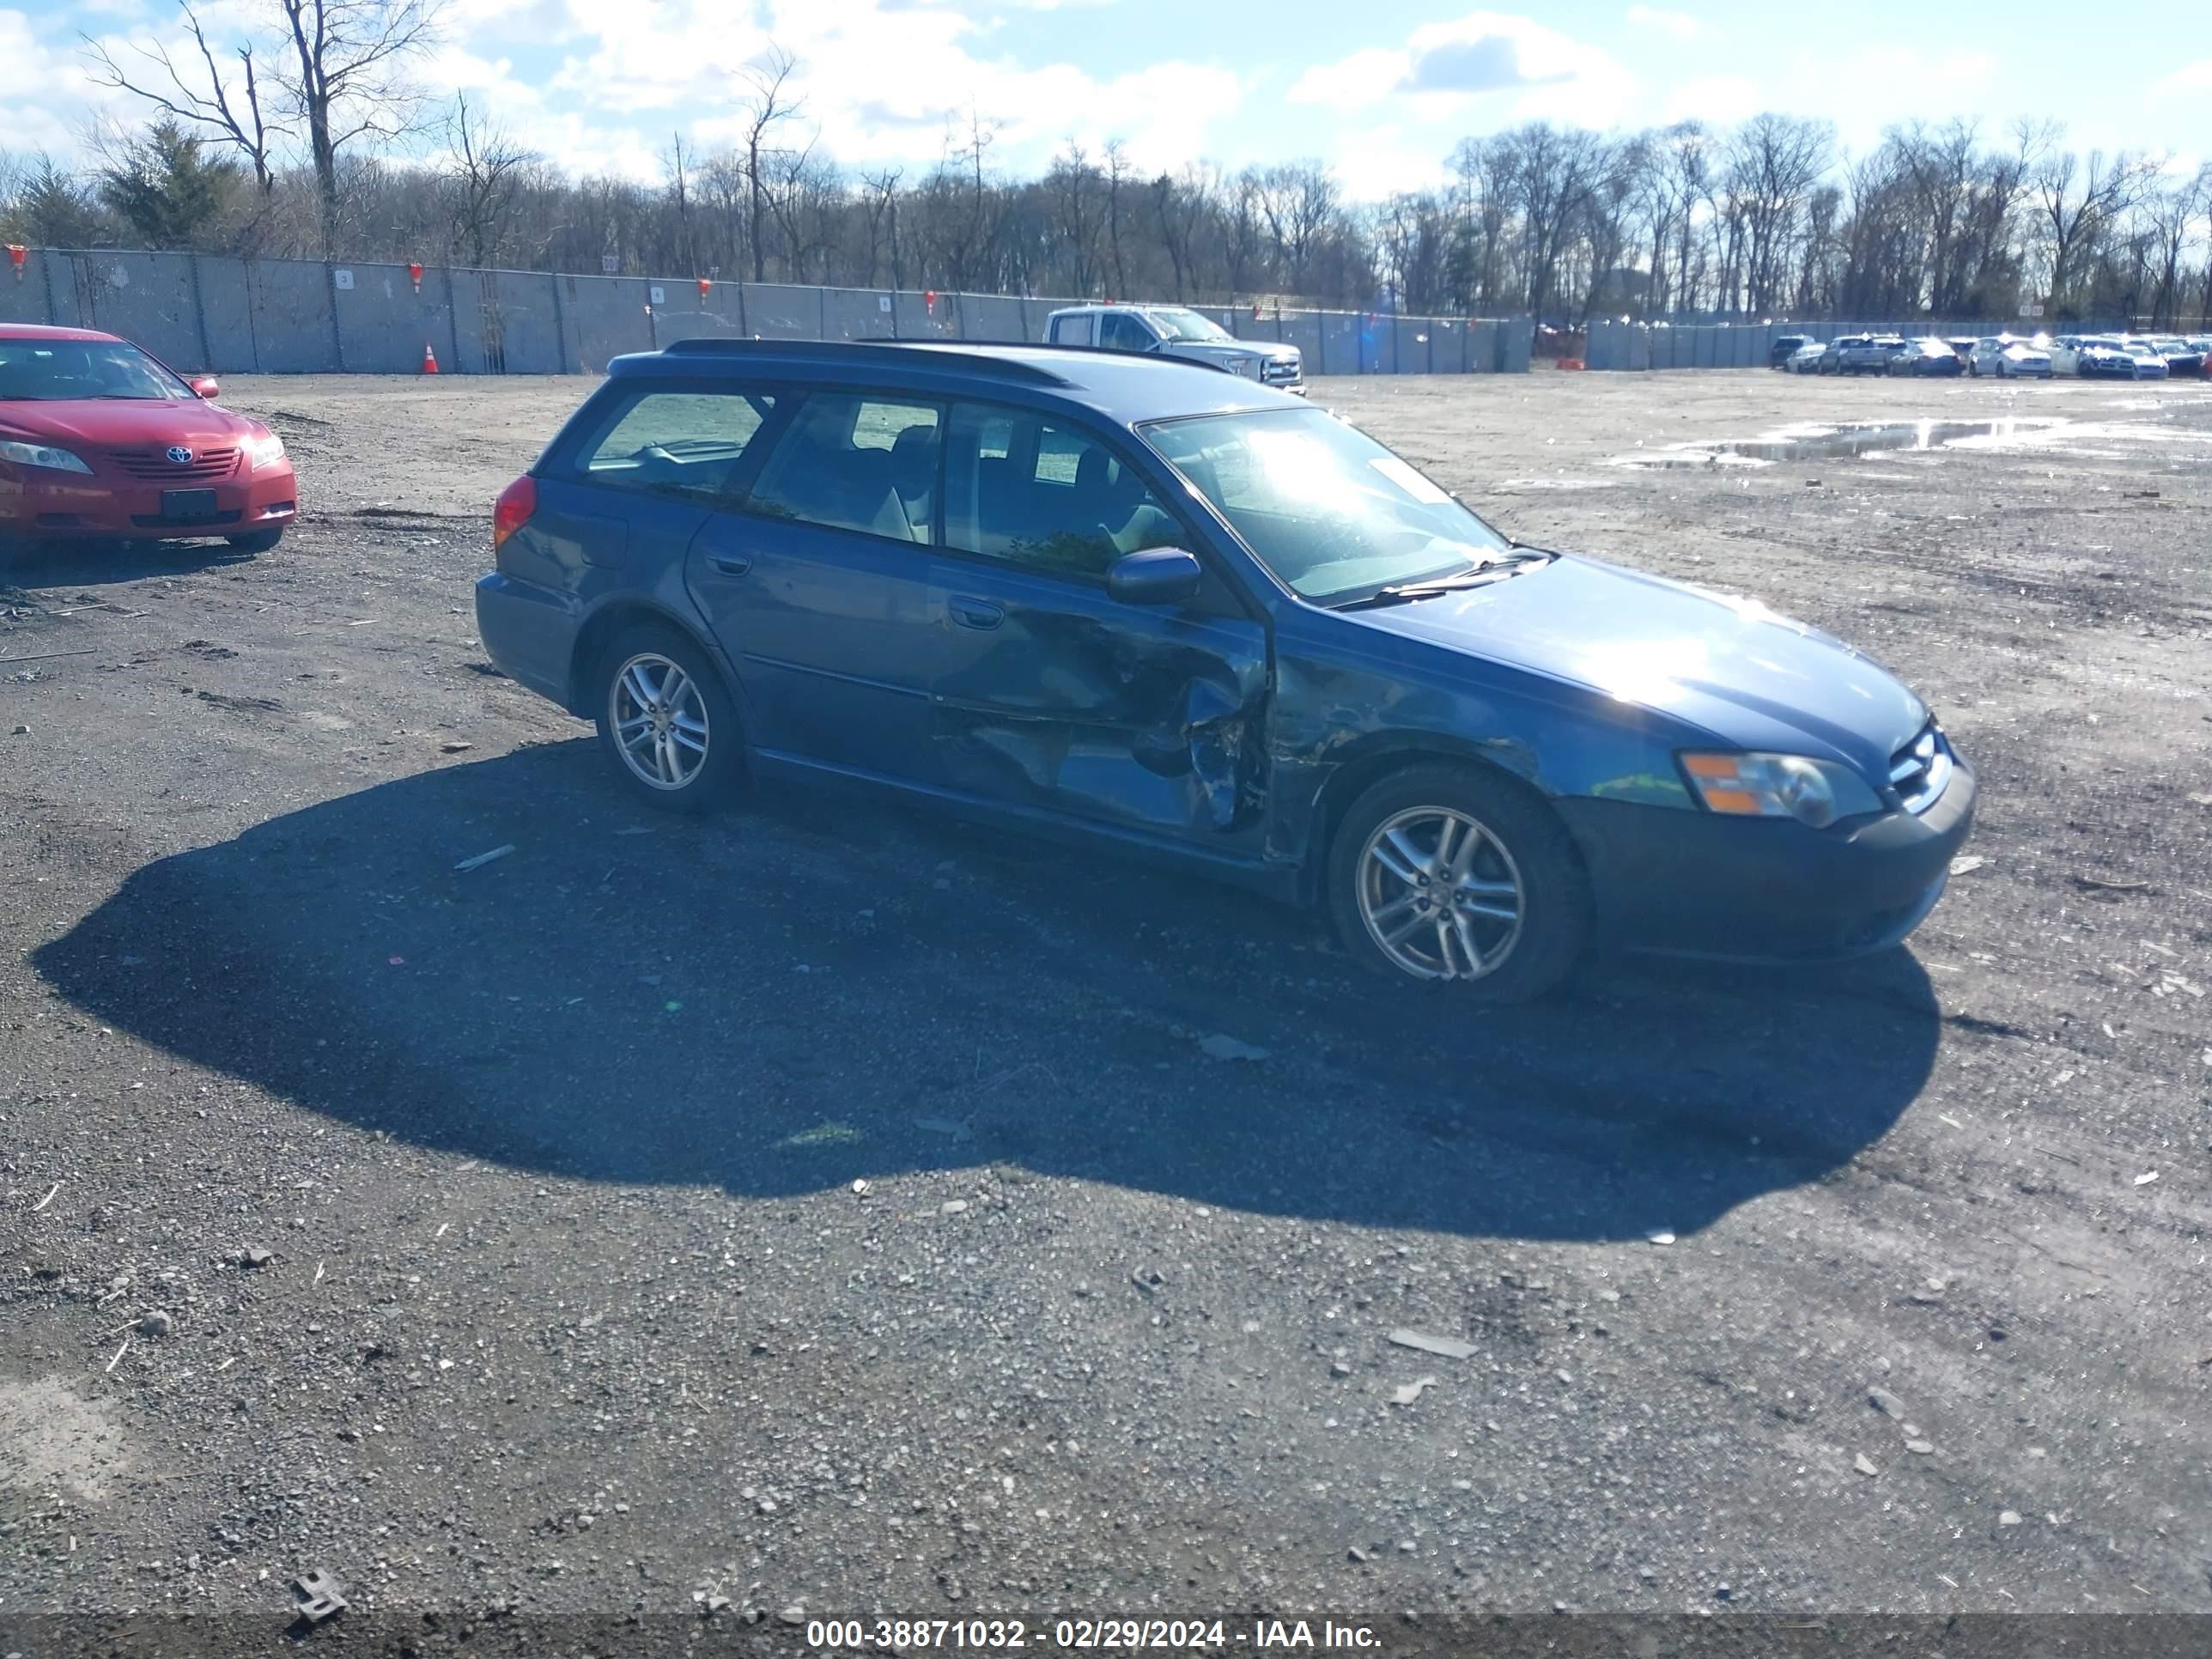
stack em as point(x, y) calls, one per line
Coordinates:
point(41, 503)
point(1766, 890)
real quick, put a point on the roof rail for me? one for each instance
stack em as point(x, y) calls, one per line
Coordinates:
point(972, 357)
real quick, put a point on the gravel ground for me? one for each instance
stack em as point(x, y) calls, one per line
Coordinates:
point(828, 1212)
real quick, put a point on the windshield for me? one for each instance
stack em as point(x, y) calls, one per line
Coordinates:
point(1177, 324)
point(55, 371)
point(1333, 513)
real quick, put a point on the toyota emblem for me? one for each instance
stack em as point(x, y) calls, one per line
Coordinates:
point(180, 455)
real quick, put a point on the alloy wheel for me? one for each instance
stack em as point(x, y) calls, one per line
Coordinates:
point(1439, 894)
point(659, 721)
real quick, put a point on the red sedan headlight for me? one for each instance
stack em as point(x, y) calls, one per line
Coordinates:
point(42, 455)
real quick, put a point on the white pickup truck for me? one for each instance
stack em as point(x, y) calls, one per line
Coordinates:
point(1177, 332)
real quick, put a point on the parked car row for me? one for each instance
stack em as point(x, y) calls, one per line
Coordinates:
point(2005, 356)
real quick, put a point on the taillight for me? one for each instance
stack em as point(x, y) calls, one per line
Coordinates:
point(512, 510)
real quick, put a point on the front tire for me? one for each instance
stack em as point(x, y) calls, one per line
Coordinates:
point(667, 724)
point(1438, 873)
point(255, 541)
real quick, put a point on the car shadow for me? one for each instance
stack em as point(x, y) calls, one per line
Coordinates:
point(823, 988)
point(97, 564)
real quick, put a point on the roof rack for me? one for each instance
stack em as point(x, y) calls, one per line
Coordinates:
point(965, 356)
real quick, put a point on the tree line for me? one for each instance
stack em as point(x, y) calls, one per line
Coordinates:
point(308, 137)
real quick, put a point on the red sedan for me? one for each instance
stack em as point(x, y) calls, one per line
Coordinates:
point(98, 440)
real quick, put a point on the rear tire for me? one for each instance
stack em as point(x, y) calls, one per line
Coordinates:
point(1442, 875)
point(667, 726)
point(255, 541)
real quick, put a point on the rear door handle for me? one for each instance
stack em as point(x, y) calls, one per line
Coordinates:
point(974, 613)
point(730, 564)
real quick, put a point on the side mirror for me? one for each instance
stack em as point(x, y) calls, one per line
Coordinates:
point(1156, 575)
point(207, 386)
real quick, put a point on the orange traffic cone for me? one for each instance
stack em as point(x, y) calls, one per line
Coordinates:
point(429, 359)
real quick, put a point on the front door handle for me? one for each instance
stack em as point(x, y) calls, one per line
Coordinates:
point(974, 613)
point(730, 564)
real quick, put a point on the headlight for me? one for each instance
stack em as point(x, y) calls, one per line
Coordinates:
point(39, 455)
point(1812, 792)
point(264, 451)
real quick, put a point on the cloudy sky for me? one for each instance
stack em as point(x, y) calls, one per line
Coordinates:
point(1381, 91)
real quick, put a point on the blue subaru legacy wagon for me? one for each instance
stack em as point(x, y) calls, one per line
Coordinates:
point(1146, 604)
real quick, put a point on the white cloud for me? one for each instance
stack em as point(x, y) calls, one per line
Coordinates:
point(2189, 79)
point(1381, 161)
point(1444, 67)
point(873, 82)
point(48, 99)
point(1720, 98)
point(1679, 25)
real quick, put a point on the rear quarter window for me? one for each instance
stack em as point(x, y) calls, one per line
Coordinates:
point(685, 443)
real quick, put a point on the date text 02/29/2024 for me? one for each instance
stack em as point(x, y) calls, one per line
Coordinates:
point(1083, 1635)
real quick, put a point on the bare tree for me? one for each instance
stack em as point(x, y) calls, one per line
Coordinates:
point(2076, 198)
point(803, 197)
point(1775, 160)
point(206, 96)
point(769, 102)
point(676, 167)
point(1185, 207)
point(1297, 200)
point(1077, 197)
point(1555, 172)
point(346, 77)
point(2170, 212)
point(880, 205)
point(484, 175)
point(1117, 181)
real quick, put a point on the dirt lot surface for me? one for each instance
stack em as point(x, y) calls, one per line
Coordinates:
point(824, 1212)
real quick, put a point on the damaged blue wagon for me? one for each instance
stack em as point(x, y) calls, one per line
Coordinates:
point(1145, 605)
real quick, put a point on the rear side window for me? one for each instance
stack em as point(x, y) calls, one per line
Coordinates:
point(1021, 488)
point(857, 463)
point(1120, 331)
point(1071, 331)
point(686, 444)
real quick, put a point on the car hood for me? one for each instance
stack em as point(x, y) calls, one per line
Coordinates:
point(1234, 350)
point(1728, 665)
point(111, 423)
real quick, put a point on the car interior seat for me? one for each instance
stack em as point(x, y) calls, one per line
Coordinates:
point(913, 477)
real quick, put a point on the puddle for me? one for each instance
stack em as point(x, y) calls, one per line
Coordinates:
point(1809, 443)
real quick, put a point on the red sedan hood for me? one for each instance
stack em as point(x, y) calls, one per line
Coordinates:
point(125, 423)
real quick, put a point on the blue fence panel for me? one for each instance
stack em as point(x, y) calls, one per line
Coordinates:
point(226, 318)
point(302, 317)
point(293, 331)
point(854, 313)
point(680, 312)
point(528, 323)
point(384, 325)
point(146, 298)
point(991, 317)
point(1410, 349)
point(602, 318)
point(23, 288)
point(1517, 343)
point(1338, 341)
point(918, 319)
point(1303, 330)
point(773, 311)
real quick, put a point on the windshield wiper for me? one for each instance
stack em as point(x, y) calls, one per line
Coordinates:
point(1495, 568)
